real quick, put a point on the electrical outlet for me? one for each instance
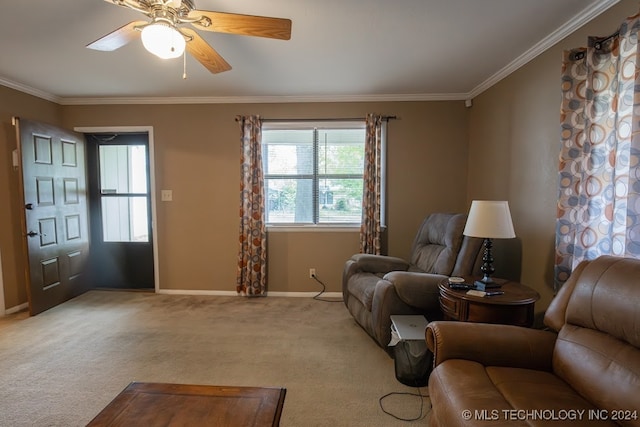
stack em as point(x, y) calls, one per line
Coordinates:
point(166, 195)
point(312, 273)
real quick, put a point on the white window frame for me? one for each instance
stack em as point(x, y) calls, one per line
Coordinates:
point(324, 124)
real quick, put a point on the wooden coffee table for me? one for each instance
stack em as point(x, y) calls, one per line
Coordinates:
point(156, 404)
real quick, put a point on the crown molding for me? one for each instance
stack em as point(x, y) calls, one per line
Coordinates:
point(566, 29)
point(563, 31)
point(30, 90)
point(266, 99)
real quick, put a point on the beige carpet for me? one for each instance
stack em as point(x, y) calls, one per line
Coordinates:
point(62, 367)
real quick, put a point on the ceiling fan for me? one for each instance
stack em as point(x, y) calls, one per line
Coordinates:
point(166, 36)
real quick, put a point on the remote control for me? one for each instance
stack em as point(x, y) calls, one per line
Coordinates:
point(493, 293)
point(460, 286)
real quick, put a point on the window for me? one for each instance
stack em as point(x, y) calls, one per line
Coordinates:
point(313, 172)
point(124, 193)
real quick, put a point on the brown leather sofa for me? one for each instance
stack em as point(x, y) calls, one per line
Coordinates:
point(585, 371)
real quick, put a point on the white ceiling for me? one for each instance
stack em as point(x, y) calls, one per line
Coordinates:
point(339, 50)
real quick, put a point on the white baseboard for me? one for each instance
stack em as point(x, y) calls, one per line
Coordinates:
point(17, 308)
point(233, 293)
point(304, 294)
point(196, 292)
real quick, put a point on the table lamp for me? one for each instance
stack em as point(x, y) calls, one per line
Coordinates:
point(488, 219)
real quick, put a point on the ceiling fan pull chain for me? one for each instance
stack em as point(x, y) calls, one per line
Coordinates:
point(184, 65)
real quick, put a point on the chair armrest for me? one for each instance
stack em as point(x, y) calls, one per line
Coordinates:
point(490, 344)
point(419, 290)
point(378, 263)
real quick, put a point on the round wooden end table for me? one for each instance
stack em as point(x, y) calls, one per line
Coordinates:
point(514, 307)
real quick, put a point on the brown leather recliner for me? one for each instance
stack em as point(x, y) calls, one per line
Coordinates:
point(586, 371)
point(376, 286)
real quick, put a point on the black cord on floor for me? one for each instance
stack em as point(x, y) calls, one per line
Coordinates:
point(317, 297)
point(417, 383)
point(406, 393)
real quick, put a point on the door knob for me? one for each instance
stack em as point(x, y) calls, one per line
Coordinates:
point(32, 234)
point(28, 206)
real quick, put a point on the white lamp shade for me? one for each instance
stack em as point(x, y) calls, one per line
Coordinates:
point(163, 40)
point(489, 219)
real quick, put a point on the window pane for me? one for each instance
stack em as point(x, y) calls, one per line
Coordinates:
point(289, 200)
point(287, 152)
point(123, 169)
point(340, 200)
point(124, 219)
point(341, 151)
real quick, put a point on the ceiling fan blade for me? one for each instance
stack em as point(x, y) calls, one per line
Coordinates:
point(204, 53)
point(247, 25)
point(135, 4)
point(118, 38)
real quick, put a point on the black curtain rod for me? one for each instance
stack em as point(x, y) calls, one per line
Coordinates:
point(386, 118)
point(599, 41)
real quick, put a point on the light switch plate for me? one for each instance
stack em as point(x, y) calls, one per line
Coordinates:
point(166, 195)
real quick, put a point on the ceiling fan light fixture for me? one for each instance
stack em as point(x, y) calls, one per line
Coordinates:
point(163, 40)
point(163, 32)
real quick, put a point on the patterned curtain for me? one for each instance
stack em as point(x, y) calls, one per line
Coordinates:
point(251, 279)
point(599, 182)
point(370, 228)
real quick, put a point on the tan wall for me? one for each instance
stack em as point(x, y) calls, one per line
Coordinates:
point(514, 144)
point(197, 156)
point(15, 103)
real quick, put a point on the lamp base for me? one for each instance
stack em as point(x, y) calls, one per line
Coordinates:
point(486, 283)
point(487, 268)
